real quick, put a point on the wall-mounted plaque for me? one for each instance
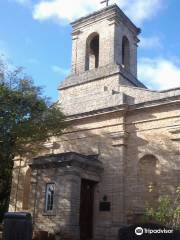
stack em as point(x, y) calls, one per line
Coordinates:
point(104, 206)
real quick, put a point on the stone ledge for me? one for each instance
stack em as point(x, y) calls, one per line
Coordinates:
point(122, 107)
point(155, 103)
point(98, 74)
point(125, 107)
point(68, 159)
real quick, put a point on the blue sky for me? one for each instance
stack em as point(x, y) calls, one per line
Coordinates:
point(35, 34)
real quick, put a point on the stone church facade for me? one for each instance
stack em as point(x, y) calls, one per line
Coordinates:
point(121, 149)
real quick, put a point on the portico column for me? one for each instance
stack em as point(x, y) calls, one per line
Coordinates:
point(72, 187)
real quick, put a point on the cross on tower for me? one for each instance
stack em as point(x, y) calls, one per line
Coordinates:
point(105, 1)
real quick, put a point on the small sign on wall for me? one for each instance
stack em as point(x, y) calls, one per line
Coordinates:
point(104, 206)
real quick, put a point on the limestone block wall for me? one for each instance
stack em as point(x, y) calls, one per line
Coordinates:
point(66, 204)
point(91, 96)
point(121, 139)
point(103, 135)
point(138, 95)
point(90, 88)
point(149, 133)
point(108, 92)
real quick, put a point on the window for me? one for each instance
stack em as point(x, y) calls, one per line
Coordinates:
point(92, 52)
point(125, 53)
point(49, 204)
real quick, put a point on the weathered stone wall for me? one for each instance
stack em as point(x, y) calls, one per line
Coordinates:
point(149, 133)
point(99, 95)
point(67, 193)
point(135, 95)
point(92, 137)
point(98, 136)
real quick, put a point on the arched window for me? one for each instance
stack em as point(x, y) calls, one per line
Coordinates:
point(125, 53)
point(26, 190)
point(92, 52)
point(148, 179)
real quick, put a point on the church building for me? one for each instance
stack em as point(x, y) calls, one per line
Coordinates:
point(121, 150)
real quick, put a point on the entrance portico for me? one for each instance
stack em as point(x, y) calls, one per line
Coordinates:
point(72, 177)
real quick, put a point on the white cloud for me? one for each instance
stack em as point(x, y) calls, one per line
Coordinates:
point(60, 70)
point(159, 73)
point(64, 10)
point(137, 10)
point(150, 42)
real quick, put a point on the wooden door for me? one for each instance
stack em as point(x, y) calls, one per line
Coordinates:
point(86, 209)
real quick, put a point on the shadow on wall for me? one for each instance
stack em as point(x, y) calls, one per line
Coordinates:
point(152, 168)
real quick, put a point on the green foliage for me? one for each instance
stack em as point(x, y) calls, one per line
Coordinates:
point(27, 120)
point(167, 211)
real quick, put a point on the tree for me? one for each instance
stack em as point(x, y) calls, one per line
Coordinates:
point(167, 211)
point(27, 120)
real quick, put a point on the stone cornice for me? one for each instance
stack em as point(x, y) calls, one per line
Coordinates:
point(98, 74)
point(126, 108)
point(155, 103)
point(111, 12)
point(100, 112)
point(67, 160)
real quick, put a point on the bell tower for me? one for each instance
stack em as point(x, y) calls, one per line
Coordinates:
point(104, 47)
point(104, 38)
